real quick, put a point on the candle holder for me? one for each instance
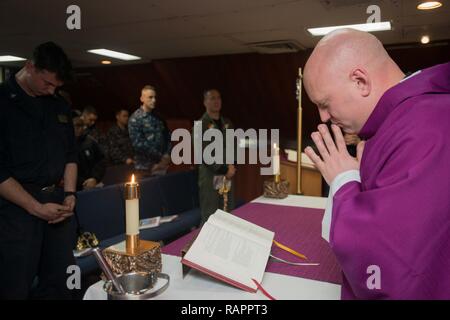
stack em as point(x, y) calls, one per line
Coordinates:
point(276, 188)
point(146, 258)
point(132, 192)
point(277, 178)
point(133, 254)
point(223, 188)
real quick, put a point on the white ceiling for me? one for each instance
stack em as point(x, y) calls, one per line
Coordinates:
point(162, 29)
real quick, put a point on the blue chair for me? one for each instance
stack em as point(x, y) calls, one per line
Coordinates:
point(102, 211)
point(177, 190)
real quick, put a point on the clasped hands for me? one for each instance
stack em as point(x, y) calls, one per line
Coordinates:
point(334, 157)
point(54, 212)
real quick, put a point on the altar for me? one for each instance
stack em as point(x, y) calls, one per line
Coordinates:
point(296, 222)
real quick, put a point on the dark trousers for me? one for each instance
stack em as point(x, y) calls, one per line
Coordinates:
point(34, 255)
point(210, 201)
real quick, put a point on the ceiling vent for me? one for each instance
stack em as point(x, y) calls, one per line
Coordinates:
point(279, 46)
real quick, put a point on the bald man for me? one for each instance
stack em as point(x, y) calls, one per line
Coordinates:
point(388, 216)
point(150, 137)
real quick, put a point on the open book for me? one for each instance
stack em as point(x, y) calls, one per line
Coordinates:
point(232, 250)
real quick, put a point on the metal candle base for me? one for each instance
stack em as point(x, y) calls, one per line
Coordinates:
point(145, 258)
point(278, 190)
point(137, 286)
point(132, 244)
point(277, 178)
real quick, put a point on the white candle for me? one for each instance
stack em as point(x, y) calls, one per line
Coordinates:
point(276, 160)
point(132, 211)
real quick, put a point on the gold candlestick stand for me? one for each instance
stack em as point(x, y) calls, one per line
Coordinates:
point(299, 131)
point(134, 255)
point(276, 188)
point(223, 191)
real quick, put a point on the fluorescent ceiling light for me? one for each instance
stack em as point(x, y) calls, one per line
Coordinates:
point(369, 27)
point(10, 58)
point(428, 5)
point(114, 54)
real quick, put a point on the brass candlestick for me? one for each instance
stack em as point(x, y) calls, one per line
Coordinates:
point(223, 191)
point(276, 188)
point(276, 164)
point(277, 178)
point(299, 131)
point(133, 254)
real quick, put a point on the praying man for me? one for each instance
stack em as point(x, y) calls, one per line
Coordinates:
point(389, 208)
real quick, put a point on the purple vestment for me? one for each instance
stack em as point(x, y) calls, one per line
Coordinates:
point(398, 217)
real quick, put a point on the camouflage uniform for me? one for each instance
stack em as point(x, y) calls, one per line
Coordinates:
point(119, 145)
point(210, 200)
point(150, 138)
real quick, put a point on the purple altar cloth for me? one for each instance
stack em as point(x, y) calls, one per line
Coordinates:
point(295, 227)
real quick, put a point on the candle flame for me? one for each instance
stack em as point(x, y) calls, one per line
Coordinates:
point(132, 178)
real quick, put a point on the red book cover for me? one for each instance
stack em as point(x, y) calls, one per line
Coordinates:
point(218, 276)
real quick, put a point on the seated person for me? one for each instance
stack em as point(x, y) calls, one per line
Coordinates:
point(120, 150)
point(91, 160)
point(90, 117)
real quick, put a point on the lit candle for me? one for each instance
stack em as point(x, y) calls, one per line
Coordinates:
point(276, 160)
point(132, 215)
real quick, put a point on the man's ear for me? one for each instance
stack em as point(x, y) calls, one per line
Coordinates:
point(361, 80)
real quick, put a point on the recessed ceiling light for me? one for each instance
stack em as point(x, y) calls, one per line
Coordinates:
point(106, 62)
point(114, 54)
point(425, 39)
point(428, 5)
point(369, 27)
point(10, 59)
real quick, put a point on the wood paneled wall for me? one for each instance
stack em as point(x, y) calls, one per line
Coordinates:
point(258, 91)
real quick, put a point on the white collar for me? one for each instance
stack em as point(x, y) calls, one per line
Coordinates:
point(411, 75)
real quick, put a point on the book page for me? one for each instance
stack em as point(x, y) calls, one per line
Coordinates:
point(149, 223)
point(229, 254)
point(170, 218)
point(306, 161)
point(242, 227)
